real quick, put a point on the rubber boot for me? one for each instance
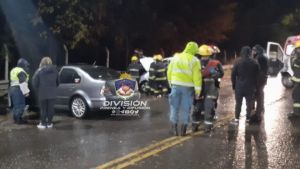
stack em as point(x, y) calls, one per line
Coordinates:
point(183, 130)
point(208, 125)
point(195, 127)
point(208, 128)
point(174, 130)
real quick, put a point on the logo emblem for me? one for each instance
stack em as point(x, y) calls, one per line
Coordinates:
point(125, 86)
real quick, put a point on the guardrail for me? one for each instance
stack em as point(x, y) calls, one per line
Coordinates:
point(3, 87)
point(4, 82)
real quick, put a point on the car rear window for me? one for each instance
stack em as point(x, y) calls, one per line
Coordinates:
point(101, 73)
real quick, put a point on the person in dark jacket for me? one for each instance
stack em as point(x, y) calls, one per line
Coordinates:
point(244, 79)
point(274, 66)
point(211, 71)
point(258, 55)
point(18, 75)
point(295, 64)
point(45, 82)
point(135, 68)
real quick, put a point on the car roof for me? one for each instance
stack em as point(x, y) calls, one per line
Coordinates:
point(84, 66)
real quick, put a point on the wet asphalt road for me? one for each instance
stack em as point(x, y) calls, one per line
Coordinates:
point(73, 143)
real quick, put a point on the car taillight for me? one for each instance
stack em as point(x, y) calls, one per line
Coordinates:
point(77, 80)
point(105, 91)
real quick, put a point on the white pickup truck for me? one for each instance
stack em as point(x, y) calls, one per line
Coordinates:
point(276, 53)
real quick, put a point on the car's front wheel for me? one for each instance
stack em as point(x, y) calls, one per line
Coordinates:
point(78, 107)
point(144, 87)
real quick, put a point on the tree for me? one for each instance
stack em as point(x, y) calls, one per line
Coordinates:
point(168, 24)
point(291, 21)
point(122, 26)
point(71, 21)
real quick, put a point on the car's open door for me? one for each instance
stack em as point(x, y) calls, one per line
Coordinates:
point(276, 58)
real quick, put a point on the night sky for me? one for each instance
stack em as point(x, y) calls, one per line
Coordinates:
point(155, 26)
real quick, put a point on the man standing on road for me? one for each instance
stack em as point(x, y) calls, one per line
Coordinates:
point(19, 77)
point(185, 79)
point(258, 54)
point(135, 68)
point(295, 63)
point(244, 78)
point(211, 71)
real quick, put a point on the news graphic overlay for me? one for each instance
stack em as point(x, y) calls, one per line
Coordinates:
point(128, 102)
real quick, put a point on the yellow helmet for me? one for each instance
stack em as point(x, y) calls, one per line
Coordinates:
point(297, 45)
point(134, 58)
point(158, 57)
point(205, 50)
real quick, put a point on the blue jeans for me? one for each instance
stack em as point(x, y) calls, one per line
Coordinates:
point(18, 102)
point(181, 100)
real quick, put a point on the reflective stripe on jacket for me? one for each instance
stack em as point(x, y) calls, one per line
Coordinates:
point(184, 70)
point(135, 70)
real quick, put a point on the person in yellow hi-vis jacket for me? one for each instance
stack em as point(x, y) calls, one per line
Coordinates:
point(184, 76)
point(295, 64)
point(18, 76)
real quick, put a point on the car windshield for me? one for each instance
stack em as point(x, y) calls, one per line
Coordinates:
point(101, 73)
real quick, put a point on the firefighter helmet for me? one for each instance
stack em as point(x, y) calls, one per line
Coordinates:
point(297, 45)
point(205, 50)
point(157, 57)
point(134, 58)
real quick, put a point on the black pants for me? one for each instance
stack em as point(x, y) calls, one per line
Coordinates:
point(260, 97)
point(158, 87)
point(47, 111)
point(198, 108)
point(296, 98)
point(249, 95)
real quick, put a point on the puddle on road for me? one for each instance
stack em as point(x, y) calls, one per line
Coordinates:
point(74, 127)
point(275, 142)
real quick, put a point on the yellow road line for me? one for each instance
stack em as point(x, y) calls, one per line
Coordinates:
point(152, 153)
point(150, 150)
point(135, 153)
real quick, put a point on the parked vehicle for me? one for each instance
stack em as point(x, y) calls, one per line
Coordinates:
point(144, 79)
point(85, 88)
point(282, 56)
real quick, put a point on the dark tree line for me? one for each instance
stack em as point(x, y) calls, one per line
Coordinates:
point(121, 26)
point(90, 27)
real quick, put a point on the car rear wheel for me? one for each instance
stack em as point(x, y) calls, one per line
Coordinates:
point(78, 107)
